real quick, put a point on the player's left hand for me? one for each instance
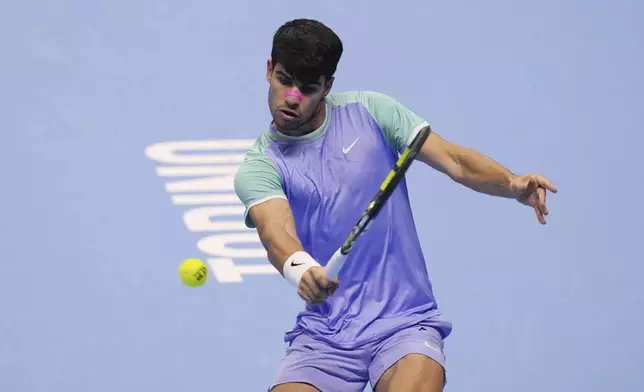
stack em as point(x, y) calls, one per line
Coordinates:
point(530, 189)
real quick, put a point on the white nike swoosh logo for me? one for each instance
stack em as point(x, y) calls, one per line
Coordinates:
point(346, 150)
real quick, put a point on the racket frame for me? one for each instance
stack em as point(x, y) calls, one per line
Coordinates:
point(387, 187)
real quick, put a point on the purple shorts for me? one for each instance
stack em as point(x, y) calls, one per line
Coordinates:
point(333, 369)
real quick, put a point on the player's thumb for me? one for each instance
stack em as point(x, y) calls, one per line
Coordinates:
point(333, 285)
point(321, 279)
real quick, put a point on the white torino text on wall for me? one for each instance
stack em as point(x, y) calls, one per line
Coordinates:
point(200, 174)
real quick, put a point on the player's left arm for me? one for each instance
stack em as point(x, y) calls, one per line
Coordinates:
point(463, 165)
point(480, 173)
point(467, 166)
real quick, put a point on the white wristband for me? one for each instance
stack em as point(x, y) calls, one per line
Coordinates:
point(296, 265)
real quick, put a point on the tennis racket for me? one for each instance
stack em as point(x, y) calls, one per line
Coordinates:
point(386, 189)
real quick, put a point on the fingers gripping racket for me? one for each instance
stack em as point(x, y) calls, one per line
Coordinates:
point(386, 189)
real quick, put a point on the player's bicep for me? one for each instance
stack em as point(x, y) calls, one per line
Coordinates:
point(273, 215)
point(441, 155)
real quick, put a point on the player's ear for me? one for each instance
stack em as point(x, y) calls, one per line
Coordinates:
point(269, 69)
point(328, 86)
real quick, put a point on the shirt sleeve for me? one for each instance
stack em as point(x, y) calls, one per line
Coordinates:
point(257, 180)
point(398, 123)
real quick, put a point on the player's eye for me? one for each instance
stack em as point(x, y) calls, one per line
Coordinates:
point(309, 89)
point(284, 81)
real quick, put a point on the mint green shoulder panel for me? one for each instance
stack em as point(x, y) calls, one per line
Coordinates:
point(257, 180)
point(398, 123)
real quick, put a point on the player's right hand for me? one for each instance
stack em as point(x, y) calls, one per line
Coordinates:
point(315, 287)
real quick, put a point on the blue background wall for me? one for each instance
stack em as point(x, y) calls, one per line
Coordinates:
point(101, 101)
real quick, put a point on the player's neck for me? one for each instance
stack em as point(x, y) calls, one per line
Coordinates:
point(313, 124)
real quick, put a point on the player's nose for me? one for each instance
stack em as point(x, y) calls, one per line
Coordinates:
point(293, 97)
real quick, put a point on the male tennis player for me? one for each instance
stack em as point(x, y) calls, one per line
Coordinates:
point(305, 183)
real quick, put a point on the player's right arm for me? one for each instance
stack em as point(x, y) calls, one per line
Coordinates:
point(258, 185)
point(276, 229)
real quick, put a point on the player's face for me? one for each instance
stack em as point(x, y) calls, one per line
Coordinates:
point(290, 114)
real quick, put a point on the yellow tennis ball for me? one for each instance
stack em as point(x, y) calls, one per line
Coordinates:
point(193, 272)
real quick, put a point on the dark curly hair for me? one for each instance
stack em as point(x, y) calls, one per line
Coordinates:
point(307, 49)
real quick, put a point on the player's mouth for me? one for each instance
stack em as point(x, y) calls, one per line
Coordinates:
point(287, 114)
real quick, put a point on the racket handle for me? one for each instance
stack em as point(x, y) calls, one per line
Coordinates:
point(335, 263)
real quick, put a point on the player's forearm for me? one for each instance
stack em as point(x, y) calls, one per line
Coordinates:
point(481, 173)
point(280, 242)
point(276, 228)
